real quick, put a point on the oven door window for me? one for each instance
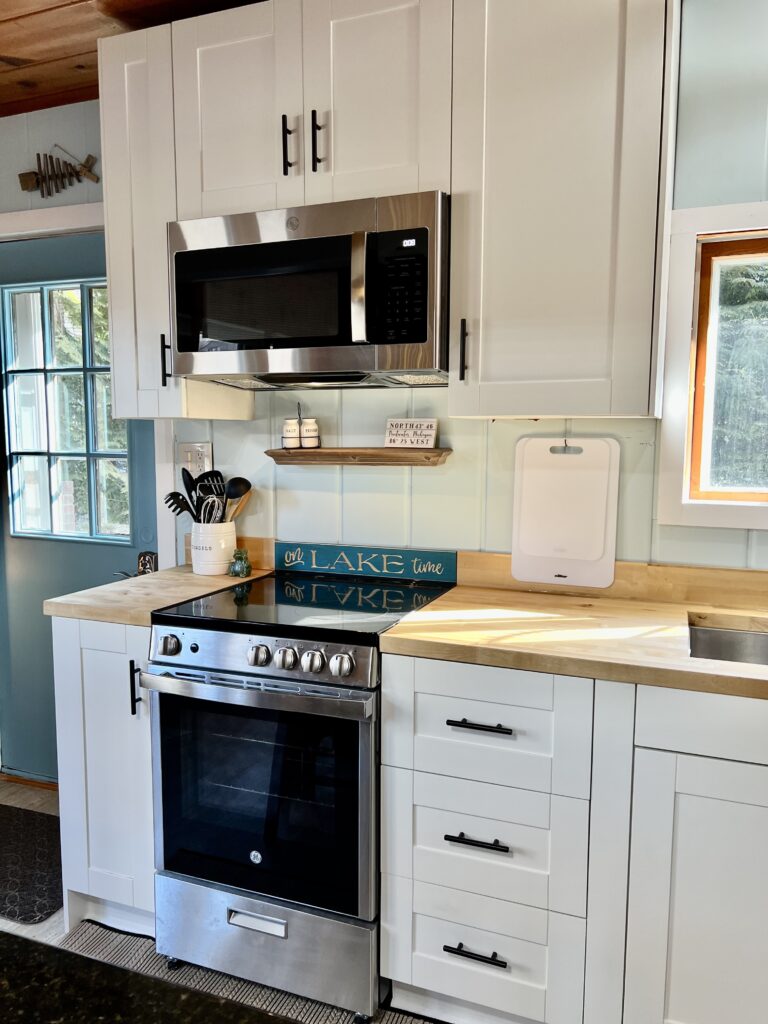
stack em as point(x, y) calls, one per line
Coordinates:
point(268, 296)
point(265, 801)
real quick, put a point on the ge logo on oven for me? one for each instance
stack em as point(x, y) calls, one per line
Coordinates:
point(255, 857)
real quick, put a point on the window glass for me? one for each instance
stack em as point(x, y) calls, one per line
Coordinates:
point(67, 456)
point(26, 326)
point(729, 450)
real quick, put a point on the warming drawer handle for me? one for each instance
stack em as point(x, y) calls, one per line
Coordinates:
point(494, 960)
point(257, 923)
point(463, 723)
point(462, 839)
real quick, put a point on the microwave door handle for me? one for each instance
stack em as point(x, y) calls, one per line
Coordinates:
point(357, 286)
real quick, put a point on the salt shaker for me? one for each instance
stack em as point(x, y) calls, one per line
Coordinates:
point(310, 433)
point(291, 434)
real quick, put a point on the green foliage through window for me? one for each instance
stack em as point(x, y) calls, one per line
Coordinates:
point(68, 458)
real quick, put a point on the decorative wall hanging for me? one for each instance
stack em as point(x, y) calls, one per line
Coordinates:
point(54, 174)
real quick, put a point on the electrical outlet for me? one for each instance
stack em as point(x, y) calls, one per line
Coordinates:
point(196, 456)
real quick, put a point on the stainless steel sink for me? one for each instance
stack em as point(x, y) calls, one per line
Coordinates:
point(729, 644)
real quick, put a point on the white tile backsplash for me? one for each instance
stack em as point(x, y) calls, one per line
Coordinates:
point(464, 504)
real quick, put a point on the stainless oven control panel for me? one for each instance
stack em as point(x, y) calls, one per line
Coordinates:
point(282, 658)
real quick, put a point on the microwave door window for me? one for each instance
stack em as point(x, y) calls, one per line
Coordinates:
point(267, 296)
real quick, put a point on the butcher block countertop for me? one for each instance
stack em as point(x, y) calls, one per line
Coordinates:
point(132, 601)
point(629, 641)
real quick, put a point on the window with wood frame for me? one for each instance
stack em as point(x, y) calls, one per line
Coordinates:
point(729, 436)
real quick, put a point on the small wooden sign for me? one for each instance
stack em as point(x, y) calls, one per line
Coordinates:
point(411, 434)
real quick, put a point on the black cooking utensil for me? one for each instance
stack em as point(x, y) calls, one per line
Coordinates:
point(237, 488)
point(189, 486)
point(210, 482)
point(178, 504)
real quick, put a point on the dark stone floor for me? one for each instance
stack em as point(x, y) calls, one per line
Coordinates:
point(44, 985)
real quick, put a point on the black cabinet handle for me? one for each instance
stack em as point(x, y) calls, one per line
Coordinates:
point(463, 840)
point(133, 671)
point(463, 350)
point(500, 730)
point(164, 374)
point(316, 127)
point(494, 960)
point(287, 164)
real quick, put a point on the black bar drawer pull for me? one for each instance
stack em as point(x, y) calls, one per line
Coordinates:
point(463, 350)
point(286, 131)
point(494, 960)
point(463, 840)
point(316, 127)
point(463, 723)
point(164, 374)
point(133, 671)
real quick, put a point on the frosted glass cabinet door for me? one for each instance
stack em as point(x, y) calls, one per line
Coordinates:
point(697, 942)
point(556, 126)
point(236, 73)
point(377, 73)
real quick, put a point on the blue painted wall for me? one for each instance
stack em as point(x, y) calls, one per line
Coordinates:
point(32, 570)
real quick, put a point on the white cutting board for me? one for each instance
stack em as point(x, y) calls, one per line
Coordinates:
point(564, 518)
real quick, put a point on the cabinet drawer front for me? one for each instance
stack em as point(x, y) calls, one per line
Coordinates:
point(519, 873)
point(502, 803)
point(483, 682)
point(518, 987)
point(711, 724)
point(521, 758)
point(513, 919)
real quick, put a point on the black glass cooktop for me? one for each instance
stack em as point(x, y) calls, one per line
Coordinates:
point(305, 606)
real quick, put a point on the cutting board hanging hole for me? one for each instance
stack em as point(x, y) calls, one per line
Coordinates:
point(566, 449)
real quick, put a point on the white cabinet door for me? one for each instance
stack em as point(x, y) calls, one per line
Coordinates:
point(556, 151)
point(377, 74)
point(118, 775)
point(697, 942)
point(136, 105)
point(236, 73)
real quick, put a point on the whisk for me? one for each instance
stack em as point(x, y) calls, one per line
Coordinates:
point(212, 510)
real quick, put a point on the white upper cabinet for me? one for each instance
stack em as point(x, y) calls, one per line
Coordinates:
point(377, 97)
point(236, 75)
point(557, 112)
point(136, 104)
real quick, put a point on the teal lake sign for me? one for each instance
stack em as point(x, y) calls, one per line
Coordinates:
point(380, 563)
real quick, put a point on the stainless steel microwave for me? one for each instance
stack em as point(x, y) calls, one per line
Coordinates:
point(346, 294)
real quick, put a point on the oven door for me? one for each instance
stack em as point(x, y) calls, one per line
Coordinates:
point(269, 791)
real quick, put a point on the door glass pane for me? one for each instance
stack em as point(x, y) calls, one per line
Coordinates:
point(67, 327)
point(262, 800)
point(736, 427)
point(113, 509)
point(70, 496)
point(67, 406)
point(31, 495)
point(27, 413)
point(99, 327)
point(111, 435)
point(26, 340)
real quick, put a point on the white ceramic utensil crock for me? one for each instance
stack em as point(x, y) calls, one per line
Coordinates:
point(213, 545)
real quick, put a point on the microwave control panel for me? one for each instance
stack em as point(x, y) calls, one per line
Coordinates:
point(396, 285)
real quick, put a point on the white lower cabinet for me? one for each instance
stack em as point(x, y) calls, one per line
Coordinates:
point(485, 830)
point(105, 776)
point(697, 942)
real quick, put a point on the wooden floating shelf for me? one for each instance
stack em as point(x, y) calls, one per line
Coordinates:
point(359, 456)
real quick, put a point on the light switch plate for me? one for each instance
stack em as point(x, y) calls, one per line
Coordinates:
point(196, 456)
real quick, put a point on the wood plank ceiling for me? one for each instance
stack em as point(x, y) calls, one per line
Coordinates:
point(48, 47)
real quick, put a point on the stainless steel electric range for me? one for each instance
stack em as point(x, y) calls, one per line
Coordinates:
point(265, 753)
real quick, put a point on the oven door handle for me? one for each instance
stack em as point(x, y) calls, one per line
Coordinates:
point(360, 707)
point(357, 286)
